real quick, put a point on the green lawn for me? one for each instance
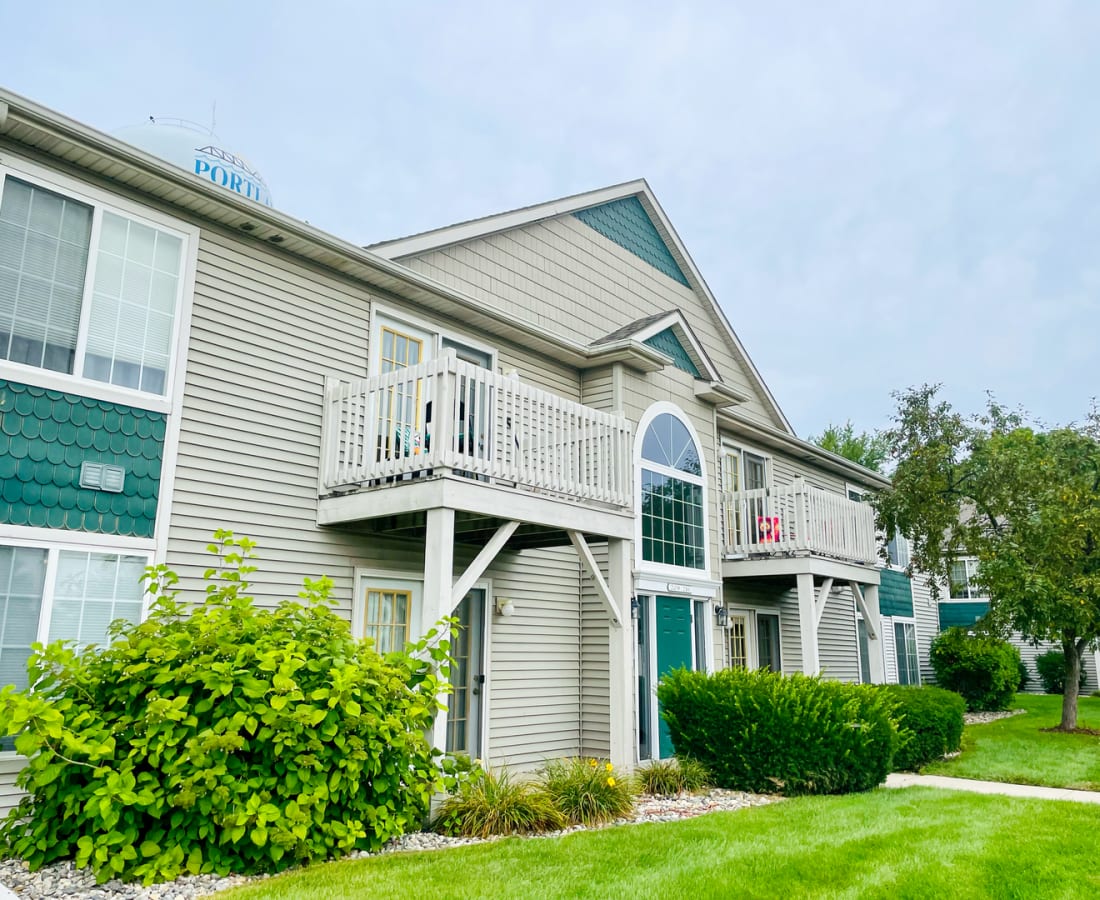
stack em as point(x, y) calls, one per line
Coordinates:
point(892, 844)
point(1016, 750)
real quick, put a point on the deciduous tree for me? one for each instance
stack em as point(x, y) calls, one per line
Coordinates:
point(1023, 499)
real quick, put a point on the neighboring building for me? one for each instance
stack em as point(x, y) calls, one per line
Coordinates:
point(964, 603)
point(540, 420)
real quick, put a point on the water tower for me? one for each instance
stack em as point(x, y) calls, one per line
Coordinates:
point(200, 152)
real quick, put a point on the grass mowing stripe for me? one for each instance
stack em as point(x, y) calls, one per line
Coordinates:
point(1018, 751)
point(912, 843)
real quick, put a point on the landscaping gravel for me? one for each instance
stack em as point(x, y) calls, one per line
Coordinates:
point(981, 718)
point(64, 880)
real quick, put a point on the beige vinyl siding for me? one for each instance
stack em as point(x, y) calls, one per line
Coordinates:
point(836, 636)
point(535, 669)
point(926, 614)
point(11, 764)
point(264, 334)
point(595, 683)
point(565, 277)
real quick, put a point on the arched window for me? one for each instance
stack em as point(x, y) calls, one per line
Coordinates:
point(671, 502)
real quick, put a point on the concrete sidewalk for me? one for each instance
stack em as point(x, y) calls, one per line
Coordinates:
point(907, 779)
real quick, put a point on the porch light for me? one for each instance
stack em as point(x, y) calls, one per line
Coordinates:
point(505, 607)
point(722, 616)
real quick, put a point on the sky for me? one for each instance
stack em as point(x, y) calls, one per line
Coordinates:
point(879, 195)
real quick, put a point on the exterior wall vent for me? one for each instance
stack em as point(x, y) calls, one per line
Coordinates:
point(102, 477)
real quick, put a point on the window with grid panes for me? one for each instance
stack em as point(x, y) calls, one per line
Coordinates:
point(86, 290)
point(386, 618)
point(905, 646)
point(673, 525)
point(962, 580)
point(739, 640)
point(50, 593)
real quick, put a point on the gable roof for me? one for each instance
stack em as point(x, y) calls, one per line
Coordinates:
point(670, 333)
point(639, 190)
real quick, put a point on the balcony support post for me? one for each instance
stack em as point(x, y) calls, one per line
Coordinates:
point(867, 601)
point(807, 623)
point(439, 548)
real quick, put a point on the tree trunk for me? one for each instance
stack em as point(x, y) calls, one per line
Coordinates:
point(1072, 650)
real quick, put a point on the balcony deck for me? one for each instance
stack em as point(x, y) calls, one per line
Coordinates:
point(502, 448)
point(765, 529)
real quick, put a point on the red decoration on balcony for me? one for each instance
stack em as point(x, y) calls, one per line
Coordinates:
point(767, 529)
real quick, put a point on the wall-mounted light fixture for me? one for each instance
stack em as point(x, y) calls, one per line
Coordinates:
point(505, 607)
point(722, 616)
point(635, 607)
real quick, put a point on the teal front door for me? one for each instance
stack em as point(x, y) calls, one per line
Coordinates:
point(673, 629)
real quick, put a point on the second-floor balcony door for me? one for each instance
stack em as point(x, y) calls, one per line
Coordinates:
point(403, 413)
point(474, 403)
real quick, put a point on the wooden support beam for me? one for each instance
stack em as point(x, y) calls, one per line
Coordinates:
point(602, 590)
point(822, 599)
point(481, 562)
point(871, 622)
point(807, 623)
point(439, 548)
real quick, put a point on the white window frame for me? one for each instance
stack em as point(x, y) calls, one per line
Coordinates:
point(905, 620)
point(102, 202)
point(393, 580)
point(54, 543)
point(779, 624)
point(971, 570)
point(860, 492)
point(433, 333)
point(640, 562)
point(729, 445)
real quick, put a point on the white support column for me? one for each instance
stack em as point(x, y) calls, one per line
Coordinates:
point(439, 548)
point(623, 682)
point(807, 622)
point(867, 601)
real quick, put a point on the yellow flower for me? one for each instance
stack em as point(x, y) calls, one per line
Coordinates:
point(608, 767)
point(592, 763)
point(611, 782)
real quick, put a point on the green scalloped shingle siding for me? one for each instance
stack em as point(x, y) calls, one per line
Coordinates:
point(895, 594)
point(964, 614)
point(628, 224)
point(667, 342)
point(44, 437)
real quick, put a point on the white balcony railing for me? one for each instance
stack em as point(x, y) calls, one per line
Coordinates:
point(495, 428)
point(797, 519)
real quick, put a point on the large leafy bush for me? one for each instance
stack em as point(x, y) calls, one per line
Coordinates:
point(930, 724)
point(984, 669)
point(1051, 667)
point(764, 731)
point(222, 737)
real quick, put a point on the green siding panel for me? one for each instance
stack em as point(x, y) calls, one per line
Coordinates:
point(628, 224)
point(895, 594)
point(44, 437)
point(667, 342)
point(964, 614)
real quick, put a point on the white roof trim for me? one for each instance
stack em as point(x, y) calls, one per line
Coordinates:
point(506, 221)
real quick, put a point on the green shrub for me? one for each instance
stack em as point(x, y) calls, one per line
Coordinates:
point(1025, 676)
point(221, 737)
point(768, 732)
point(930, 724)
point(488, 803)
point(1051, 667)
point(668, 777)
point(589, 791)
point(983, 669)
